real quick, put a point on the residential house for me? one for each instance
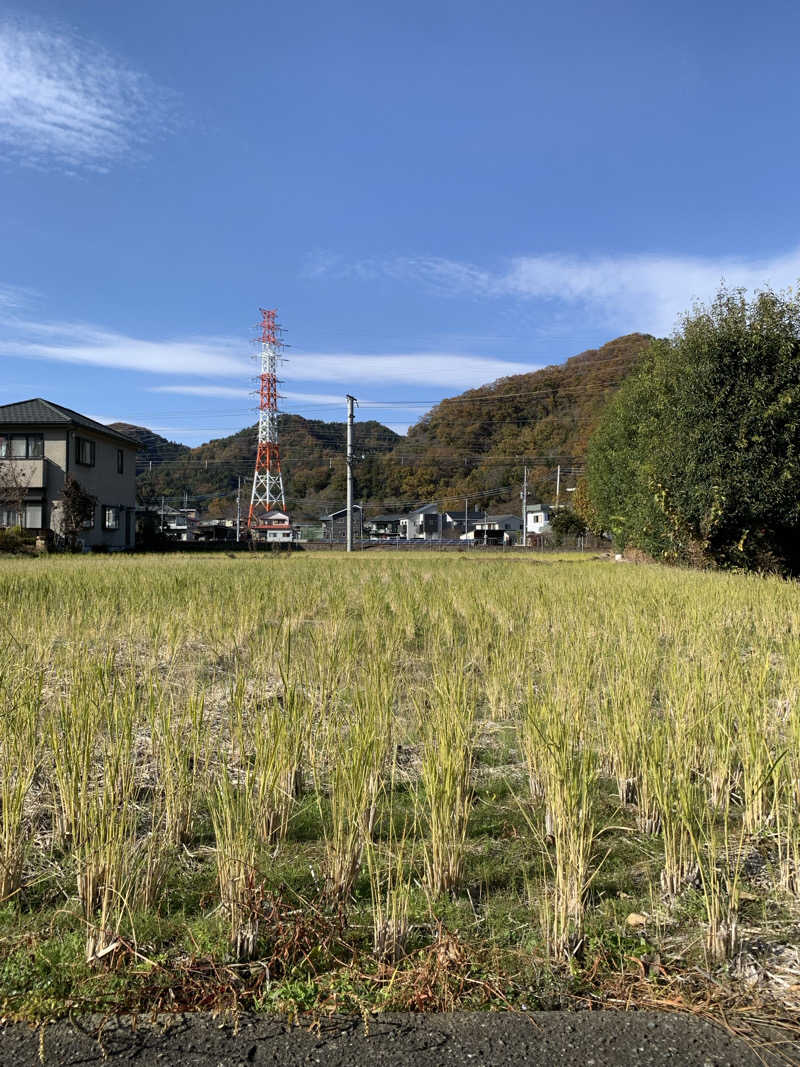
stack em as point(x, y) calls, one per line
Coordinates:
point(424, 522)
point(40, 444)
point(179, 524)
point(274, 526)
point(498, 529)
point(457, 523)
point(383, 525)
point(216, 530)
point(538, 519)
point(334, 526)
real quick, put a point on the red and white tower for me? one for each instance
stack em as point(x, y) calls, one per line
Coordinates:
point(267, 495)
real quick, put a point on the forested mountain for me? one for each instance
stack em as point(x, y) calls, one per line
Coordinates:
point(474, 445)
point(312, 460)
point(153, 448)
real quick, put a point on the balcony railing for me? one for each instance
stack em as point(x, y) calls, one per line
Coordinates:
point(28, 473)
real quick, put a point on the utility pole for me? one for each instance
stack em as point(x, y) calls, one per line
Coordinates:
point(558, 484)
point(351, 400)
point(238, 507)
point(162, 516)
point(466, 517)
point(525, 507)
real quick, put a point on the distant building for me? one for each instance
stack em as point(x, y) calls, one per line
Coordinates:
point(334, 526)
point(216, 530)
point(422, 523)
point(180, 524)
point(456, 523)
point(274, 526)
point(383, 525)
point(40, 444)
point(495, 530)
point(538, 519)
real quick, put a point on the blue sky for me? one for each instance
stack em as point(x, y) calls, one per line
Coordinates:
point(432, 194)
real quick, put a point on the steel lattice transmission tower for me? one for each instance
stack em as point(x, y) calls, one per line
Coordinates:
point(267, 492)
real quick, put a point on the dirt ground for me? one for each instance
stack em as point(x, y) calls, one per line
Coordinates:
point(596, 1039)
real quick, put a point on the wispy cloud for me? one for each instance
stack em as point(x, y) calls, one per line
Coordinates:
point(13, 299)
point(220, 358)
point(646, 292)
point(68, 101)
point(456, 370)
point(91, 345)
point(625, 292)
point(225, 391)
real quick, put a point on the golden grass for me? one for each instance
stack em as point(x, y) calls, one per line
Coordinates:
point(136, 693)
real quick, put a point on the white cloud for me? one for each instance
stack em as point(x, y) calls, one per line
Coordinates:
point(244, 394)
point(67, 100)
point(454, 370)
point(216, 357)
point(643, 292)
point(83, 343)
point(626, 292)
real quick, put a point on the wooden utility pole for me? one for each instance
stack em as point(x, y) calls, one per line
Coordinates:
point(525, 506)
point(351, 400)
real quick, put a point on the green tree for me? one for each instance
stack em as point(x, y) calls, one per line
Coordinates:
point(697, 457)
point(566, 523)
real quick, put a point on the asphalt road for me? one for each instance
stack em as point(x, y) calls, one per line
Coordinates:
point(596, 1039)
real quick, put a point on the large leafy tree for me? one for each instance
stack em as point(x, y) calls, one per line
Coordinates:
point(698, 455)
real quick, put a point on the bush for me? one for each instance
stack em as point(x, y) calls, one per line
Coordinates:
point(14, 540)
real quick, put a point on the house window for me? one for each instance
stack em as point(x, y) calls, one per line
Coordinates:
point(22, 446)
point(33, 516)
point(84, 451)
point(120, 461)
point(110, 518)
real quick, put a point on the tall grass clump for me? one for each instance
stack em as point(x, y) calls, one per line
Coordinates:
point(280, 731)
point(447, 723)
point(234, 817)
point(558, 745)
point(20, 702)
point(390, 864)
point(348, 752)
point(181, 746)
point(103, 825)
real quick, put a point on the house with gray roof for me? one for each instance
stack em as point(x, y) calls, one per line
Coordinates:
point(40, 444)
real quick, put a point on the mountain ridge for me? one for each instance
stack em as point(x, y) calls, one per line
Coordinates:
point(474, 445)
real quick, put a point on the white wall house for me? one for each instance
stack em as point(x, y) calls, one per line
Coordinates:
point(538, 519)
